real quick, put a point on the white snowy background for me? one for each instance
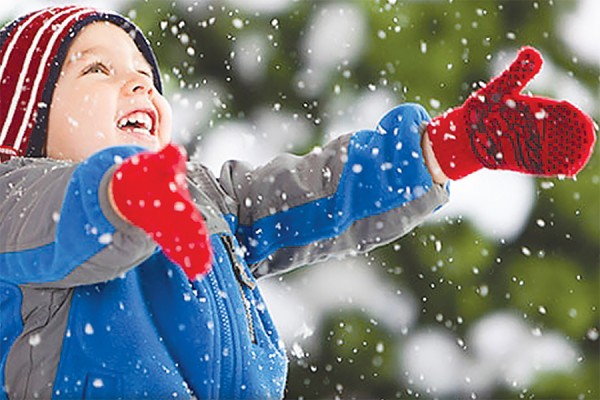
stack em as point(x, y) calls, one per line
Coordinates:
point(502, 349)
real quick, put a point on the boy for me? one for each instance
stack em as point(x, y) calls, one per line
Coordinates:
point(106, 280)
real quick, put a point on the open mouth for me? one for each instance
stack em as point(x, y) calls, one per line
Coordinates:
point(141, 122)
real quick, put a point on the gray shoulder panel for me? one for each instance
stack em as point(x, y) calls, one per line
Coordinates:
point(286, 181)
point(31, 195)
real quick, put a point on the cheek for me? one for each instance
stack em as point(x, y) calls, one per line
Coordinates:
point(58, 120)
point(79, 120)
point(165, 116)
point(73, 109)
point(90, 114)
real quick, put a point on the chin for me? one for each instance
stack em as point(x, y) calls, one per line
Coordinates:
point(151, 146)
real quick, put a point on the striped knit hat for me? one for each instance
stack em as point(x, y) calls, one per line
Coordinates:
point(32, 51)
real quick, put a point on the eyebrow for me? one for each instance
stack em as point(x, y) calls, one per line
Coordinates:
point(96, 50)
point(80, 55)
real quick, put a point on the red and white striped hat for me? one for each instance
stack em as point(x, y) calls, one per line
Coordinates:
point(32, 51)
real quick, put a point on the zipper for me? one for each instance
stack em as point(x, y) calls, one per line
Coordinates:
point(243, 280)
point(248, 313)
point(227, 335)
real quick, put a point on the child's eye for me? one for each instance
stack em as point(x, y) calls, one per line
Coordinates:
point(96, 68)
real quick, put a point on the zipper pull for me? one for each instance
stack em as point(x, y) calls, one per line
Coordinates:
point(243, 275)
point(240, 271)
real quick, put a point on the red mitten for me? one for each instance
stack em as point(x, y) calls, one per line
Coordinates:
point(150, 191)
point(499, 128)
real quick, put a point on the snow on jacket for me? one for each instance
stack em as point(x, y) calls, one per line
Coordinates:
point(91, 308)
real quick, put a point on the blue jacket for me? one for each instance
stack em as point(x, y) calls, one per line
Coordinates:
point(91, 308)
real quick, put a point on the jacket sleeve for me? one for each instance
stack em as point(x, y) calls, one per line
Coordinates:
point(57, 227)
point(360, 191)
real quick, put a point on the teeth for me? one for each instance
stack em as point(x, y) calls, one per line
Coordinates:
point(140, 121)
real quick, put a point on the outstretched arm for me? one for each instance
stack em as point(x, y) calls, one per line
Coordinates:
point(360, 191)
point(57, 227)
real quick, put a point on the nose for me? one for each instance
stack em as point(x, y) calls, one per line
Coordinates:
point(138, 83)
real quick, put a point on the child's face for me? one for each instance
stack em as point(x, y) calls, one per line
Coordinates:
point(104, 97)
